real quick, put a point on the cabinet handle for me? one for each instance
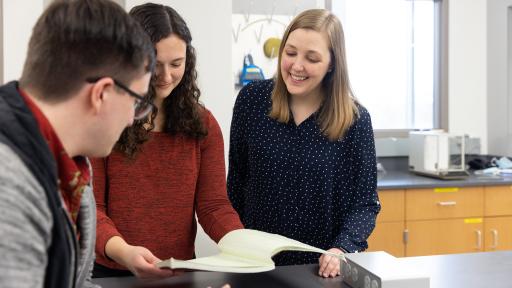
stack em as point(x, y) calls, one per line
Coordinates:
point(494, 238)
point(447, 203)
point(478, 239)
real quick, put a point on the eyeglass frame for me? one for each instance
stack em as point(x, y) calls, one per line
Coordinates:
point(139, 98)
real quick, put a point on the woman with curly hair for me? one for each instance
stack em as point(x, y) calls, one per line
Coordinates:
point(165, 168)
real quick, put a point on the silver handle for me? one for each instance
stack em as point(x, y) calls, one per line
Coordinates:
point(478, 239)
point(447, 203)
point(494, 238)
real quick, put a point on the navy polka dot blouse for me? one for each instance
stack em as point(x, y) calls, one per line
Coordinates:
point(291, 180)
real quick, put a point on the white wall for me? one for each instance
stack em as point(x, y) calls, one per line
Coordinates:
point(499, 77)
point(480, 65)
point(18, 19)
point(467, 68)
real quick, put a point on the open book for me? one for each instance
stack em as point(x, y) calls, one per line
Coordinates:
point(244, 251)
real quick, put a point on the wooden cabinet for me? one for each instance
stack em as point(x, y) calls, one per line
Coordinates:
point(498, 218)
point(392, 204)
point(431, 237)
point(388, 236)
point(498, 233)
point(388, 233)
point(417, 222)
point(444, 220)
point(498, 201)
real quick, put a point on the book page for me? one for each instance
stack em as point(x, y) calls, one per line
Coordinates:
point(245, 251)
point(261, 246)
point(220, 262)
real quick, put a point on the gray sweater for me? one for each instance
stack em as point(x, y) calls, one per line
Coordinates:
point(26, 227)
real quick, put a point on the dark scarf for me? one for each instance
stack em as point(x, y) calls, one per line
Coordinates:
point(74, 173)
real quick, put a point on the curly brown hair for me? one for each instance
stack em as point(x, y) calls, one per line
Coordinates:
point(182, 109)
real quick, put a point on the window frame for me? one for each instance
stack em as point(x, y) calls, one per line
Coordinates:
point(440, 72)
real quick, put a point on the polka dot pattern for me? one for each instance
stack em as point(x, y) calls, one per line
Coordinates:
point(291, 180)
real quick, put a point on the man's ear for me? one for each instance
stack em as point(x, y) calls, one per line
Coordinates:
point(98, 93)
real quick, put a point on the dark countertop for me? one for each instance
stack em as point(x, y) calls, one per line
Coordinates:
point(406, 179)
point(474, 270)
point(281, 277)
point(397, 176)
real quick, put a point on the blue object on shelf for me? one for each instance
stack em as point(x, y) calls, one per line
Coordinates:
point(250, 72)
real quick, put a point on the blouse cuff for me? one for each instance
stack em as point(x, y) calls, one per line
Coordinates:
point(346, 245)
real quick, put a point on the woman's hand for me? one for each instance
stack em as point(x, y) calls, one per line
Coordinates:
point(139, 260)
point(329, 265)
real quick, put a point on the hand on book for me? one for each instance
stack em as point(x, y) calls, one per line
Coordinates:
point(329, 265)
point(139, 260)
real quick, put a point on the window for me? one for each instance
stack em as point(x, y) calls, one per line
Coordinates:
point(393, 59)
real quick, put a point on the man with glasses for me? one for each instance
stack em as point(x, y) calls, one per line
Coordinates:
point(88, 63)
point(142, 105)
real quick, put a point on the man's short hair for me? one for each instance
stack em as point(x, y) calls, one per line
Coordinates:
point(74, 40)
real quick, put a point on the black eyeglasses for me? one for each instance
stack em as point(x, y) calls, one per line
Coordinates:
point(142, 105)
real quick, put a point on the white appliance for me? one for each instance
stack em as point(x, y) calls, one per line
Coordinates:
point(437, 154)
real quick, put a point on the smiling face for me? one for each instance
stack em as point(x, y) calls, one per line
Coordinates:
point(171, 55)
point(304, 62)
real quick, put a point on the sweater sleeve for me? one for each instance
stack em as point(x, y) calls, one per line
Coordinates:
point(214, 211)
point(87, 220)
point(359, 221)
point(105, 228)
point(25, 224)
point(238, 167)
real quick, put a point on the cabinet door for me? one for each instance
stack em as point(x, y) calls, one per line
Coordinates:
point(498, 233)
point(498, 201)
point(392, 204)
point(388, 236)
point(431, 237)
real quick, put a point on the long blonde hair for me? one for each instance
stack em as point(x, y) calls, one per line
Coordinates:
point(339, 109)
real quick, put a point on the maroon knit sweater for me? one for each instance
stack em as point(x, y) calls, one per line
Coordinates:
point(152, 198)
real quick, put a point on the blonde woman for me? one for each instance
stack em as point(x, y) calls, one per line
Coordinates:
point(302, 156)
